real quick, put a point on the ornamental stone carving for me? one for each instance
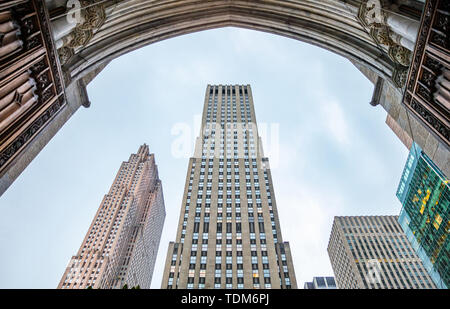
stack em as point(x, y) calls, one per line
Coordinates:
point(65, 53)
point(400, 54)
point(79, 37)
point(382, 36)
point(93, 15)
point(370, 14)
point(373, 17)
point(399, 76)
point(397, 52)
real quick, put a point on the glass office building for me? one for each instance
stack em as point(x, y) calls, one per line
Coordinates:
point(425, 215)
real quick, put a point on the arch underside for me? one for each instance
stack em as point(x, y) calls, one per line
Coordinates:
point(331, 25)
point(115, 27)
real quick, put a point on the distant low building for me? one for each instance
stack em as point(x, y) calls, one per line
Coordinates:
point(321, 283)
point(372, 252)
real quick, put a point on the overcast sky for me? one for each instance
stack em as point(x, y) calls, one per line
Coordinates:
point(335, 154)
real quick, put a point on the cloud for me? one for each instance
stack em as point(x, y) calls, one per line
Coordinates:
point(244, 40)
point(335, 122)
point(306, 211)
point(306, 216)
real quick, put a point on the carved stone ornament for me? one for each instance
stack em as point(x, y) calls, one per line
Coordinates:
point(65, 53)
point(79, 37)
point(93, 18)
point(93, 15)
point(397, 52)
point(400, 54)
point(399, 76)
point(371, 14)
point(382, 36)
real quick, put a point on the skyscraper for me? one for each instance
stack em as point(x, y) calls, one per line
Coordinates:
point(372, 252)
point(228, 234)
point(122, 242)
point(320, 283)
point(425, 215)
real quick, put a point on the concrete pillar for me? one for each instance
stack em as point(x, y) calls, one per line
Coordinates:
point(407, 43)
point(62, 27)
point(64, 41)
point(377, 90)
point(403, 41)
point(59, 43)
point(405, 27)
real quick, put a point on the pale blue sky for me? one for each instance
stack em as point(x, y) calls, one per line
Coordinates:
point(336, 154)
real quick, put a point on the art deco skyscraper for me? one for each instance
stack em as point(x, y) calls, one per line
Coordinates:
point(122, 242)
point(372, 252)
point(228, 234)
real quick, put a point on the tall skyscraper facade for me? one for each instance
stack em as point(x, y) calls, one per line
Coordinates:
point(122, 242)
point(372, 252)
point(228, 233)
point(320, 283)
point(425, 215)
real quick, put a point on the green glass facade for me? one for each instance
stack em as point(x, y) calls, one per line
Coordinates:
point(425, 215)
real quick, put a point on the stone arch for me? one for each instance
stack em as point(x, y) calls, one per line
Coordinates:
point(329, 24)
point(377, 36)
